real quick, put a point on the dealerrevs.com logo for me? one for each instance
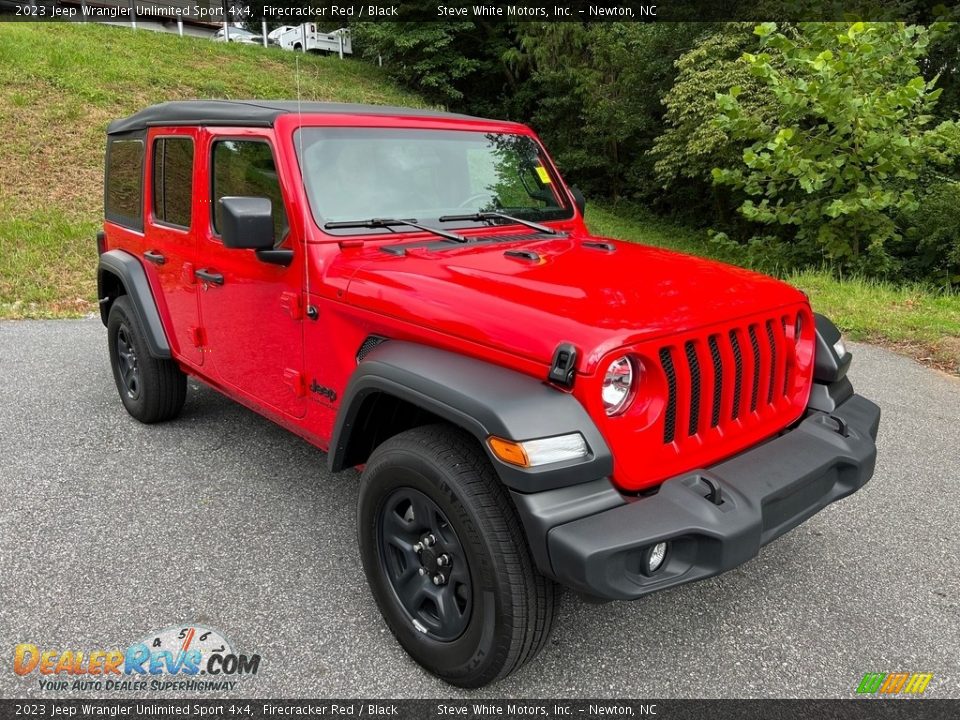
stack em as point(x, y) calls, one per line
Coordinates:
point(897, 683)
point(181, 657)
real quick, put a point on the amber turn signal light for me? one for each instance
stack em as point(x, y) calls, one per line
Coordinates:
point(509, 451)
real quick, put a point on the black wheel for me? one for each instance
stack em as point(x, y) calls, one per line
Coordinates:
point(151, 390)
point(447, 560)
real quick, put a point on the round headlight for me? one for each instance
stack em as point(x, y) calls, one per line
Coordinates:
point(617, 385)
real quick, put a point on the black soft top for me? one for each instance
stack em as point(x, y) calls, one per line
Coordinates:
point(258, 113)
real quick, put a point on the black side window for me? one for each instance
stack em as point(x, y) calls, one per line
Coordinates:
point(173, 180)
point(124, 182)
point(245, 168)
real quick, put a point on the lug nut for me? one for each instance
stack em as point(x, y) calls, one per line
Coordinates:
point(418, 547)
point(423, 571)
point(430, 540)
point(443, 560)
point(438, 579)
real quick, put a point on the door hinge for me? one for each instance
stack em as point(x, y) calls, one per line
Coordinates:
point(294, 378)
point(291, 302)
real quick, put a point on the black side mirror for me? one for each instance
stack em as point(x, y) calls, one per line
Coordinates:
point(579, 200)
point(247, 223)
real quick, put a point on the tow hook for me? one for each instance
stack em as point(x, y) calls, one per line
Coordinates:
point(842, 428)
point(716, 494)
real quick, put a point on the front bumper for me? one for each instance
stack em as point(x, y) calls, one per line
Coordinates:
point(592, 538)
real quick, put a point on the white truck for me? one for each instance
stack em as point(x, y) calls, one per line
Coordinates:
point(307, 38)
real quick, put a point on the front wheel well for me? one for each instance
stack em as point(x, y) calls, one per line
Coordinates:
point(380, 417)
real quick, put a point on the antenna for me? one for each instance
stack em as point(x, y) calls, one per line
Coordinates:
point(303, 182)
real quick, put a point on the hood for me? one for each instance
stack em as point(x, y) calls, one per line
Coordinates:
point(568, 290)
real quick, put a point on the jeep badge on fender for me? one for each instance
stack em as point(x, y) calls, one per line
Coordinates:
point(415, 292)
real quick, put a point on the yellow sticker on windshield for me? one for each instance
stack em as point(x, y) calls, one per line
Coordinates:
point(543, 174)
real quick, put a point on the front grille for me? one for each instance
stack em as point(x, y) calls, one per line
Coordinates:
point(740, 376)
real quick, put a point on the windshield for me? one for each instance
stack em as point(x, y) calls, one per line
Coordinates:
point(423, 175)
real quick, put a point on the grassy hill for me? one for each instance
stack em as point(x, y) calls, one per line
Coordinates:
point(61, 84)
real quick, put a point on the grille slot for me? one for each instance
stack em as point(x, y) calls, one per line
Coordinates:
point(717, 379)
point(670, 417)
point(773, 361)
point(755, 387)
point(694, 365)
point(787, 365)
point(738, 374)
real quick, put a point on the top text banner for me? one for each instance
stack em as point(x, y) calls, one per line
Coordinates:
point(338, 14)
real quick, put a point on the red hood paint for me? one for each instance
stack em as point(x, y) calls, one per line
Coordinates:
point(596, 299)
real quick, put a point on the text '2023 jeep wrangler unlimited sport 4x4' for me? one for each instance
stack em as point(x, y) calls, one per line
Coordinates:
point(415, 292)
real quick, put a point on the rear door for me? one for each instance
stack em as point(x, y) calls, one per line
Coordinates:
point(170, 240)
point(252, 310)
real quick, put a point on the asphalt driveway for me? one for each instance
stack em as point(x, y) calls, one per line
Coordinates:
point(110, 530)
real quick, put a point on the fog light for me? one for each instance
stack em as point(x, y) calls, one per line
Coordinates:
point(654, 557)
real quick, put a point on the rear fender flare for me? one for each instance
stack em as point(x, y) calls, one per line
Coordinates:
point(128, 270)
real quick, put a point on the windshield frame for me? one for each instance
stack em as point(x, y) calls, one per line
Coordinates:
point(564, 213)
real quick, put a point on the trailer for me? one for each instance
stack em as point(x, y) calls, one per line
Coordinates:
point(307, 38)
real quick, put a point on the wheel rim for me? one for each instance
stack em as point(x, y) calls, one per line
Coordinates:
point(127, 364)
point(424, 562)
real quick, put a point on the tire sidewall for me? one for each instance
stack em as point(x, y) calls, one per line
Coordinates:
point(120, 316)
point(477, 648)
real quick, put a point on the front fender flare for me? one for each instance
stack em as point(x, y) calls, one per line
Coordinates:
point(483, 399)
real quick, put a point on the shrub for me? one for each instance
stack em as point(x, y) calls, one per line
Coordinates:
point(834, 168)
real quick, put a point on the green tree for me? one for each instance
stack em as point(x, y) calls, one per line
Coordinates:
point(435, 58)
point(592, 91)
point(836, 166)
point(690, 144)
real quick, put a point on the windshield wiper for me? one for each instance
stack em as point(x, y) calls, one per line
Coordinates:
point(390, 222)
point(493, 215)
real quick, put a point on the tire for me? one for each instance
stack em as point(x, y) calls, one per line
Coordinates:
point(152, 390)
point(499, 609)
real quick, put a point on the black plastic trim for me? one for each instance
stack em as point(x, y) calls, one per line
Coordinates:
point(828, 397)
point(598, 245)
point(541, 511)
point(592, 538)
point(526, 255)
point(828, 367)
point(129, 271)
point(482, 398)
point(277, 256)
point(252, 113)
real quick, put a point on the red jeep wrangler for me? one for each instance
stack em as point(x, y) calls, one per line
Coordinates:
point(415, 293)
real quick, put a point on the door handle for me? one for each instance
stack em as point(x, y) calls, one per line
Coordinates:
point(214, 278)
point(154, 257)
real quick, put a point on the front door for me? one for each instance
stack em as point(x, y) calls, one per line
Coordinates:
point(251, 310)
